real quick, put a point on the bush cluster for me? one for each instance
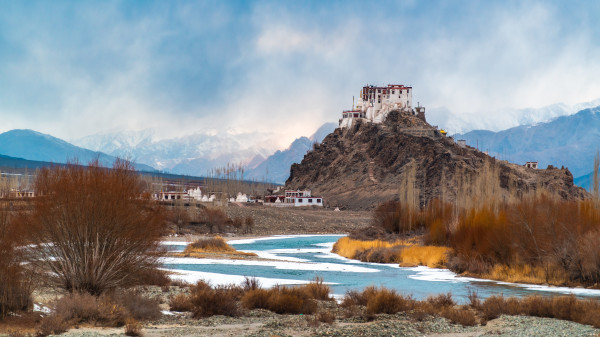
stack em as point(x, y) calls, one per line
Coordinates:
point(114, 309)
point(204, 300)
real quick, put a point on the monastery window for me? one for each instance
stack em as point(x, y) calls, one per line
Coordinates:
point(299, 200)
point(310, 201)
point(318, 201)
point(379, 91)
point(392, 92)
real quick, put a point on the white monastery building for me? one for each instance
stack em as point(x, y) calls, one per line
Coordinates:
point(375, 103)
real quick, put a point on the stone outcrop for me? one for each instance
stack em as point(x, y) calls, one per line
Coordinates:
point(362, 166)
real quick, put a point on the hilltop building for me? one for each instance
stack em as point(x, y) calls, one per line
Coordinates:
point(531, 164)
point(375, 103)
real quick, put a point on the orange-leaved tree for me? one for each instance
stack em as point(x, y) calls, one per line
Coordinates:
point(93, 228)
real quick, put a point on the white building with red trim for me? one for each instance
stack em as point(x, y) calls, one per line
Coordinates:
point(375, 103)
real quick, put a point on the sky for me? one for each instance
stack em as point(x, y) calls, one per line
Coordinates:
point(283, 68)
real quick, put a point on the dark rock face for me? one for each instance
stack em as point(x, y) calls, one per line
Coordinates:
point(360, 167)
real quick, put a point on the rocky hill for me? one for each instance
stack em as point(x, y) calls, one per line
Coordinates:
point(367, 164)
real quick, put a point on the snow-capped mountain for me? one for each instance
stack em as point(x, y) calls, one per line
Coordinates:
point(570, 141)
point(497, 120)
point(191, 154)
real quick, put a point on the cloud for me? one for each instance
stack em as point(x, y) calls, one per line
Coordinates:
point(283, 68)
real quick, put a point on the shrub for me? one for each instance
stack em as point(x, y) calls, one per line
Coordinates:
point(354, 297)
point(322, 316)
point(52, 325)
point(181, 303)
point(290, 300)
point(250, 283)
point(82, 307)
point(133, 328)
point(281, 300)
point(441, 300)
point(464, 317)
point(385, 301)
point(94, 228)
point(139, 307)
point(317, 290)
point(207, 301)
point(256, 299)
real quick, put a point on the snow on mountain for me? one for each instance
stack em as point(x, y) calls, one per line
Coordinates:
point(496, 120)
point(570, 141)
point(190, 154)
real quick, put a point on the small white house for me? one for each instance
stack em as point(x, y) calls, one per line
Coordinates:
point(302, 198)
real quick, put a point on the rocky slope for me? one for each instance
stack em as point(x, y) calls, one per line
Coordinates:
point(367, 164)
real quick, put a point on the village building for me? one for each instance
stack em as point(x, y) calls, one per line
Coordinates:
point(375, 103)
point(171, 196)
point(302, 198)
point(531, 164)
point(291, 198)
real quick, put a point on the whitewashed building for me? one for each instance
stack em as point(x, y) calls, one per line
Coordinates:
point(302, 198)
point(375, 103)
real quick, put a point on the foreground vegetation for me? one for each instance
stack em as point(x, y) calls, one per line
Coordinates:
point(539, 239)
point(204, 300)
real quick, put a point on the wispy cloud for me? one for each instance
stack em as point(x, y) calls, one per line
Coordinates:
point(282, 67)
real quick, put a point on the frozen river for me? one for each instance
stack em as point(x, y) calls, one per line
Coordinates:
point(299, 259)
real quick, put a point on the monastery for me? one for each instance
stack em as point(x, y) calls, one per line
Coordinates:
point(375, 103)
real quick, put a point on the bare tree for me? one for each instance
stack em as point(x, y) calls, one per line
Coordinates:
point(92, 228)
point(15, 285)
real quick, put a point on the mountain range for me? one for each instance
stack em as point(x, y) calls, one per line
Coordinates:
point(502, 119)
point(35, 146)
point(276, 168)
point(569, 141)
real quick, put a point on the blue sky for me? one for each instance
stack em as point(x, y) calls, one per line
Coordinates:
point(283, 68)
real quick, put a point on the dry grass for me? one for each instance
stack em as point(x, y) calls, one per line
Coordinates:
point(430, 256)
point(405, 252)
point(206, 247)
point(210, 245)
point(527, 274)
point(348, 248)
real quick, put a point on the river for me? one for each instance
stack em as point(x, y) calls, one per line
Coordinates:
point(299, 259)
